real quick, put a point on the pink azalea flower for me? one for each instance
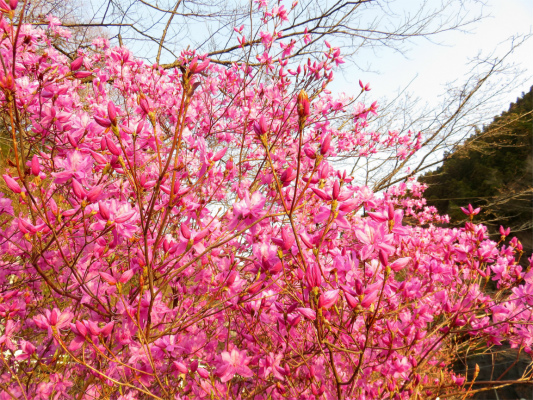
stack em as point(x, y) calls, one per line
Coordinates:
point(248, 210)
point(233, 363)
point(75, 165)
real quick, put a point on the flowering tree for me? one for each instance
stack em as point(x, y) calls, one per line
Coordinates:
point(182, 235)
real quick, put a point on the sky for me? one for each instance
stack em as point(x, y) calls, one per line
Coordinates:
point(429, 65)
point(431, 62)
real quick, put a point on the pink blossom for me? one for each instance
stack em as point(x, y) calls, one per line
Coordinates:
point(328, 299)
point(75, 165)
point(197, 237)
point(233, 363)
point(248, 210)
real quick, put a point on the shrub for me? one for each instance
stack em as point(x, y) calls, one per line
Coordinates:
point(186, 234)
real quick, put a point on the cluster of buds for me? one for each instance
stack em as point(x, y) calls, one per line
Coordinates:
point(504, 232)
point(6, 82)
point(196, 66)
point(75, 66)
point(364, 88)
point(470, 211)
point(10, 8)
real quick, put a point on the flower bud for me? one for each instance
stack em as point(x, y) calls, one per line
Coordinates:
point(336, 190)
point(328, 299)
point(140, 127)
point(145, 106)
point(78, 189)
point(93, 328)
point(23, 226)
point(349, 205)
point(124, 217)
point(83, 74)
point(368, 299)
point(103, 122)
point(113, 149)
point(185, 231)
point(314, 389)
point(358, 287)
point(313, 276)
point(35, 166)
point(76, 64)
point(400, 263)
point(98, 157)
point(106, 330)
point(200, 235)
point(324, 147)
point(321, 390)
point(288, 238)
point(470, 211)
point(180, 367)
point(203, 373)
point(231, 278)
point(312, 180)
point(12, 184)
point(255, 287)
point(260, 126)
point(193, 366)
point(504, 232)
point(287, 175)
point(196, 68)
point(94, 193)
point(53, 317)
point(112, 112)
point(219, 154)
point(81, 328)
point(71, 140)
point(309, 152)
point(306, 241)
point(383, 258)
point(307, 313)
point(53, 206)
point(320, 193)
point(229, 164)
point(303, 104)
point(391, 212)
point(104, 211)
point(352, 302)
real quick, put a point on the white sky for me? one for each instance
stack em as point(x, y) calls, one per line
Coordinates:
point(431, 65)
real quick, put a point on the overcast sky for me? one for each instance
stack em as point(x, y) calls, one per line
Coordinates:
point(431, 65)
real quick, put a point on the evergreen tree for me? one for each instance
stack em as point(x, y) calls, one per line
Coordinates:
point(493, 170)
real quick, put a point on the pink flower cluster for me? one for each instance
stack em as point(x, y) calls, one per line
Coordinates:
point(186, 234)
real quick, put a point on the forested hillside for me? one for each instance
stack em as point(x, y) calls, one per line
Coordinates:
point(493, 170)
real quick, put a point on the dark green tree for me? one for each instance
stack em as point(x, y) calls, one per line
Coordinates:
point(493, 170)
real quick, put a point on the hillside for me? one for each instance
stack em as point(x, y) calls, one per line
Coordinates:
point(493, 170)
